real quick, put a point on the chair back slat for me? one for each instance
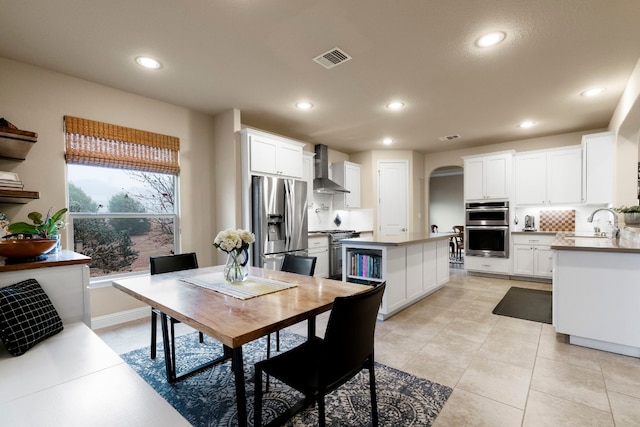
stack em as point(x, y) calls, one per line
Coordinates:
point(305, 265)
point(169, 263)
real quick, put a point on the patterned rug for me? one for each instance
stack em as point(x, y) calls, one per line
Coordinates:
point(208, 397)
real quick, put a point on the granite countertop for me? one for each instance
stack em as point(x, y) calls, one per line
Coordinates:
point(56, 259)
point(568, 241)
point(398, 240)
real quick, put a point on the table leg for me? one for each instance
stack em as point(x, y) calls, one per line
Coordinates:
point(311, 328)
point(171, 375)
point(170, 356)
point(241, 398)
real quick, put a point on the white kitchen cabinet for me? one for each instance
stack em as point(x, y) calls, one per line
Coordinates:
point(488, 265)
point(308, 174)
point(488, 176)
point(273, 155)
point(319, 248)
point(346, 174)
point(546, 177)
point(595, 299)
point(532, 255)
point(599, 170)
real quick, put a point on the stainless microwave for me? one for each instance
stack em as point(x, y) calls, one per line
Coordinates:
point(494, 213)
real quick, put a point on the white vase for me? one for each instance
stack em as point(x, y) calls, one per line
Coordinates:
point(235, 270)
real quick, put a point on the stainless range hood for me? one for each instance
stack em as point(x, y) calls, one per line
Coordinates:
point(321, 182)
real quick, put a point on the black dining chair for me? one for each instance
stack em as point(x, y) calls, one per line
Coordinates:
point(305, 265)
point(319, 366)
point(168, 264)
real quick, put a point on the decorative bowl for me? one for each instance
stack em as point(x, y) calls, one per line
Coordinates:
point(26, 248)
point(632, 218)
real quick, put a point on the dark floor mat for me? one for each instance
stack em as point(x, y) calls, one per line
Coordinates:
point(527, 304)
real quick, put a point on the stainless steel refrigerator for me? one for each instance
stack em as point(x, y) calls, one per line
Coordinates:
point(279, 219)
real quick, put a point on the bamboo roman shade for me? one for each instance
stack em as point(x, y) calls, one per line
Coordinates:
point(102, 144)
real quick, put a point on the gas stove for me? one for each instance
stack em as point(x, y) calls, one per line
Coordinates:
point(338, 234)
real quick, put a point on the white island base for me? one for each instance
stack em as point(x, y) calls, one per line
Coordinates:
point(413, 266)
point(596, 299)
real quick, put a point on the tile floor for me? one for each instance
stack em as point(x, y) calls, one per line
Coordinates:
point(503, 371)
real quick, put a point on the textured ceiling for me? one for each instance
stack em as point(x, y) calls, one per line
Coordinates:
point(256, 55)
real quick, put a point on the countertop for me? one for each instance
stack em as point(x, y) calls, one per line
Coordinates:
point(398, 240)
point(536, 232)
point(567, 241)
point(56, 259)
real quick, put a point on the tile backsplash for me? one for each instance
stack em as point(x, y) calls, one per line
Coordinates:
point(322, 216)
point(558, 220)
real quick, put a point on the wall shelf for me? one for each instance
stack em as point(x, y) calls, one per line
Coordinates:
point(18, 196)
point(15, 144)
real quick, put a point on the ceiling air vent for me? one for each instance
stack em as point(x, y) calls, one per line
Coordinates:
point(332, 58)
point(449, 137)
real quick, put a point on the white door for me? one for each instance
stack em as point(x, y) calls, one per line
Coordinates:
point(393, 188)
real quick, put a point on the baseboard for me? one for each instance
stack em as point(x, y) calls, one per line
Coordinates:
point(120, 317)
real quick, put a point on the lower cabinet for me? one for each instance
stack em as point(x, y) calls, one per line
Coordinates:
point(410, 271)
point(319, 248)
point(532, 255)
point(489, 265)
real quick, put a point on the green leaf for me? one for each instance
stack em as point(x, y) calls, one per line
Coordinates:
point(56, 216)
point(22, 228)
point(36, 217)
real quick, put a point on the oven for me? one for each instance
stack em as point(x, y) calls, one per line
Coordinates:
point(487, 213)
point(487, 229)
point(335, 251)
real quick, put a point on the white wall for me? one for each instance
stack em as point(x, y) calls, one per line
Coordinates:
point(626, 123)
point(36, 100)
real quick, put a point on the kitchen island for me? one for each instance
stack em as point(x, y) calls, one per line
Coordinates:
point(413, 265)
point(596, 291)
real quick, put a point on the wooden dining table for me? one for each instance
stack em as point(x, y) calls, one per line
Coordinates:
point(231, 320)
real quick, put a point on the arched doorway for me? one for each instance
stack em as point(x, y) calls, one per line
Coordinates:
point(446, 197)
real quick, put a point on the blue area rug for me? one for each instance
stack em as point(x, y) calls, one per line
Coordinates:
point(208, 398)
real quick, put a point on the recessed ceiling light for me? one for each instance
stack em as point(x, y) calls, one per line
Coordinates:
point(304, 105)
point(491, 39)
point(146, 62)
point(395, 105)
point(527, 124)
point(387, 141)
point(593, 91)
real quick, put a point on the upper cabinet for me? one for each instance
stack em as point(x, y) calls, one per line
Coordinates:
point(488, 176)
point(346, 174)
point(548, 177)
point(273, 155)
point(599, 173)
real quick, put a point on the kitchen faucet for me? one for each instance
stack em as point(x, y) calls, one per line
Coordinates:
point(615, 233)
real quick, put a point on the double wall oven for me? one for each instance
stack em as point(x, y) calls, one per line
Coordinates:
point(487, 229)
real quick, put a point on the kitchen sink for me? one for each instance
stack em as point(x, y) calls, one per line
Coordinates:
point(586, 236)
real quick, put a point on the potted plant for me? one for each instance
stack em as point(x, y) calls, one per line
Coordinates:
point(46, 228)
point(631, 214)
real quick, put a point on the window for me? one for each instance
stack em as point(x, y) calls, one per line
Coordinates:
point(122, 195)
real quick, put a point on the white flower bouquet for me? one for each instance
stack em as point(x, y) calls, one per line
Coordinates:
point(236, 244)
point(230, 241)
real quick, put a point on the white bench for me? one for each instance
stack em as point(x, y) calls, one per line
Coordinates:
point(73, 378)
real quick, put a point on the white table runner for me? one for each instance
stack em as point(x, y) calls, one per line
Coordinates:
point(250, 288)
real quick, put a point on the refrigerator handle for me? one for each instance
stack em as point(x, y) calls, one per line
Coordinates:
point(288, 214)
